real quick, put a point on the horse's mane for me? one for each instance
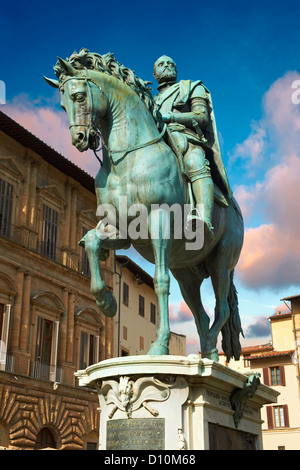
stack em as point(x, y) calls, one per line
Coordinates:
point(108, 64)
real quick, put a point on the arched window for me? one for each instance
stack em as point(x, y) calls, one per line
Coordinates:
point(45, 439)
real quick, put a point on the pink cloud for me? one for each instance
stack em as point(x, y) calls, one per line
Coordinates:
point(51, 126)
point(180, 313)
point(282, 308)
point(247, 198)
point(271, 251)
point(192, 344)
point(282, 115)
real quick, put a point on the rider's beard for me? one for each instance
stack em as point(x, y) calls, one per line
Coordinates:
point(167, 75)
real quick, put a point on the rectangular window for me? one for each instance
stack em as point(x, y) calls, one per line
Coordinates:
point(141, 342)
point(153, 313)
point(274, 375)
point(278, 416)
point(45, 365)
point(6, 204)
point(49, 235)
point(89, 350)
point(141, 306)
point(85, 261)
point(247, 361)
point(125, 332)
point(125, 294)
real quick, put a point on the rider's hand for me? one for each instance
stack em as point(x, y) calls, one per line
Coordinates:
point(157, 115)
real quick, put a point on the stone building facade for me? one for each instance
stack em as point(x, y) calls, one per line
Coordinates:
point(136, 321)
point(50, 325)
point(279, 367)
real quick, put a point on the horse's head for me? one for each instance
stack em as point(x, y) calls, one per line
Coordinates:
point(83, 101)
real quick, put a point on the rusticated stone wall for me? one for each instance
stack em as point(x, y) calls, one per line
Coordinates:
point(27, 406)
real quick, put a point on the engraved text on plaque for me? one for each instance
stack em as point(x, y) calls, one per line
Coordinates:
point(136, 434)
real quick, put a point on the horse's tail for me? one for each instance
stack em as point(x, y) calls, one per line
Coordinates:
point(232, 328)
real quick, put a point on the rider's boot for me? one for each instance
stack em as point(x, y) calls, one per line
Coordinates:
point(203, 189)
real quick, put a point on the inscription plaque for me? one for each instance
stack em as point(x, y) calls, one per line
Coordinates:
point(135, 434)
point(222, 438)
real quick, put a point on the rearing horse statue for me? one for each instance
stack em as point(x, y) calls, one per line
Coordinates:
point(139, 168)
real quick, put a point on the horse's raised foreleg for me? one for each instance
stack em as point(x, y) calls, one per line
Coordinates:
point(104, 298)
point(161, 249)
point(190, 288)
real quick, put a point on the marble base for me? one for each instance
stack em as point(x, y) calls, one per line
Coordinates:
point(176, 403)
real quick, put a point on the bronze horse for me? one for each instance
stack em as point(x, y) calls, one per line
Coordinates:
point(139, 167)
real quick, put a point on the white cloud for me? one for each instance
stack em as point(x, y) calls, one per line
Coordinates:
point(271, 252)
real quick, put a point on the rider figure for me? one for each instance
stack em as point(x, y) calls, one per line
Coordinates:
point(185, 107)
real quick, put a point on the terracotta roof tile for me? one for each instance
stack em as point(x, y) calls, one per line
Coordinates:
point(291, 297)
point(272, 354)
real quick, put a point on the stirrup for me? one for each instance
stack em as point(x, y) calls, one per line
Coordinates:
point(192, 218)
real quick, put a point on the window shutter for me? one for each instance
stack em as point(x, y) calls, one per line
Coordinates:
point(266, 375)
point(38, 347)
point(4, 336)
point(282, 375)
point(49, 235)
point(39, 335)
point(125, 294)
point(6, 205)
point(286, 416)
point(84, 350)
point(141, 306)
point(96, 349)
point(270, 420)
point(54, 349)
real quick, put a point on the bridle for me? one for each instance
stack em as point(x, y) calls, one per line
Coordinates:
point(93, 128)
point(90, 125)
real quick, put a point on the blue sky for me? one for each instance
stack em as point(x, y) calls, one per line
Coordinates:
point(246, 53)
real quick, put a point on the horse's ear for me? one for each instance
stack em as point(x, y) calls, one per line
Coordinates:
point(51, 82)
point(67, 67)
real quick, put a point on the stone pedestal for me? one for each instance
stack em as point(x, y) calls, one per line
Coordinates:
point(176, 403)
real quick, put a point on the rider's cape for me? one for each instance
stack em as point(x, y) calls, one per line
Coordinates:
point(177, 96)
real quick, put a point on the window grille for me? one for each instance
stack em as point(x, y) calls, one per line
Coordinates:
point(6, 204)
point(153, 313)
point(49, 235)
point(85, 261)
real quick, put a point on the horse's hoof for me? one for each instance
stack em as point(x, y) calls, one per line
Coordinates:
point(158, 349)
point(212, 355)
point(108, 304)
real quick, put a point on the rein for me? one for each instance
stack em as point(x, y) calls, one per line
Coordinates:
point(136, 147)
